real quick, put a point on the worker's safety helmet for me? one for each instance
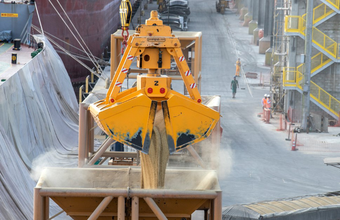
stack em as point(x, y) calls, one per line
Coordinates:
point(265, 95)
point(268, 96)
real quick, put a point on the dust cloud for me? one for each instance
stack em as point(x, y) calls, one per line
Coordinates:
point(51, 159)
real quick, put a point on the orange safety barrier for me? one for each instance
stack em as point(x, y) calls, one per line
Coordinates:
point(267, 115)
point(263, 115)
point(282, 121)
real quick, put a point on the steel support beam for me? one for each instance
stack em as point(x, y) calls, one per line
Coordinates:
point(107, 143)
point(104, 203)
point(153, 206)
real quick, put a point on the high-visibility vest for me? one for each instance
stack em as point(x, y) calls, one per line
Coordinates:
point(268, 103)
point(264, 102)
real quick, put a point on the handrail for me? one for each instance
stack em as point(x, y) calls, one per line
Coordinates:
point(296, 24)
point(335, 3)
point(292, 77)
point(320, 12)
point(319, 60)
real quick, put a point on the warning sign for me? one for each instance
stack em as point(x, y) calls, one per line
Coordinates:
point(9, 15)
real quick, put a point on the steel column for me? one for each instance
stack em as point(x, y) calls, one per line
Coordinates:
point(218, 207)
point(82, 135)
point(135, 208)
point(308, 64)
point(121, 208)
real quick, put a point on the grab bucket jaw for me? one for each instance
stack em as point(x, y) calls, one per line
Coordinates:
point(129, 122)
point(186, 121)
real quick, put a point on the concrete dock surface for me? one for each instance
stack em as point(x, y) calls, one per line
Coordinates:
point(256, 161)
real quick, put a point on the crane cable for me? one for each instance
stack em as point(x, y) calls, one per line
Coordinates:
point(98, 66)
point(87, 53)
point(125, 11)
point(69, 54)
point(49, 36)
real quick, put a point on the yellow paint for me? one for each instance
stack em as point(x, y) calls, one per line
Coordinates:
point(292, 77)
point(128, 116)
point(9, 15)
point(125, 11)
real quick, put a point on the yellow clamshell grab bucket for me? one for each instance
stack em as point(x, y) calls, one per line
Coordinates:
point(129, 116)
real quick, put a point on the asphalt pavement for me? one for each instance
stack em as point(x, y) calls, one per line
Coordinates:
point(256, 162)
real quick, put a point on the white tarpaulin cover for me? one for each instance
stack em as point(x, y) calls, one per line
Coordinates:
point(38, 127)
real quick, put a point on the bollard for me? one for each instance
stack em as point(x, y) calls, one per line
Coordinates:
point(281, 124)
point(267, 116)
point(294, 143)
point(14, 58)
point(288, 139)
point(263, 115)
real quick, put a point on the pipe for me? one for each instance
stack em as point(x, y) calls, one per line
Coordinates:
point(135, 208)
point(82, 136)
point(85, 192)
point(104, 203)
point(121, 208)
point(158, 212)
point(80, 94)
point(87, 84)
point(197, 157)
point(120, 154)
point(107, 143)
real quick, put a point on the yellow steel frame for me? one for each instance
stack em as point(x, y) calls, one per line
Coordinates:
point(129, 116)
point(172, 45)
point(296, 24)
point(292, 77)
point(335, 3)
point(320, 12)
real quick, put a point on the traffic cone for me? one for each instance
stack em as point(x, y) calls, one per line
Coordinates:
point(294, 142)
point(294, 146)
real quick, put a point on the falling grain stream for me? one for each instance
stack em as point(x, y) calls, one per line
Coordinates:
point(154, 164)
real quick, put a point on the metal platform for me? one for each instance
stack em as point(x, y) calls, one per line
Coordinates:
point(101, 193)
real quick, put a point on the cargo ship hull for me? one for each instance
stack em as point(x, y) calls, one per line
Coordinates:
point(95, 20)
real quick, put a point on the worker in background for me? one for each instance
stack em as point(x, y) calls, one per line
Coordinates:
point(268, 102)
point(234, 86)
point(238, 67)
point(264, 101)
point(309, 123)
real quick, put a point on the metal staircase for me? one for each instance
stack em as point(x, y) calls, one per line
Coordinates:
point(293, 77)
point(333, 4)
